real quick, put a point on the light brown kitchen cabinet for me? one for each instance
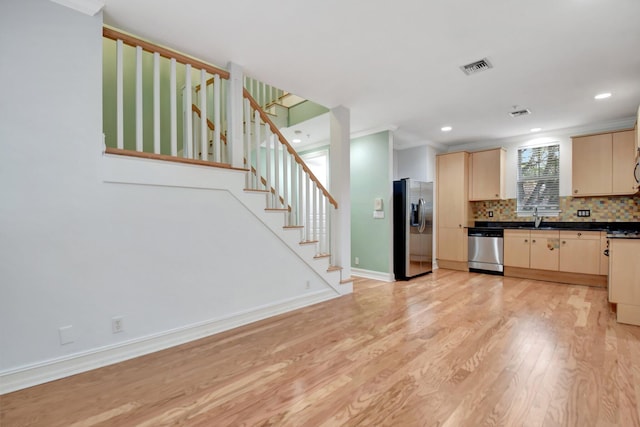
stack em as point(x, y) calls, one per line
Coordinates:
point(517, 248)
point(545, 253)
point(580, 251)
point(486, 174)
point(604, 259)
point(591, 162)
point(602, 164)
point(452, 194)
point(624, 279)
point(623, 161)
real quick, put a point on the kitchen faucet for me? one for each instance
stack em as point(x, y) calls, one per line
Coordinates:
point(536, 219)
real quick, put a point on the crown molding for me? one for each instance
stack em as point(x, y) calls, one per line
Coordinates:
point(88, 7)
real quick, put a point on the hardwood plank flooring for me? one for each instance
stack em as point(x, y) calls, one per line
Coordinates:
point(447, 349)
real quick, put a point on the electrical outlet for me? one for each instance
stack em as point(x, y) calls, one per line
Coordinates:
point(67, 336)
point(357, 261)
point(490, 214)
point(117, 324)
point(584, 212)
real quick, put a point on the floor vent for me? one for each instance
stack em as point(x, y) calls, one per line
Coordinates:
point(476, 67)
point(519, 113)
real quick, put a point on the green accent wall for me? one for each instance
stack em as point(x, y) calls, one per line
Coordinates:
point(371, 238)
point(305, 111)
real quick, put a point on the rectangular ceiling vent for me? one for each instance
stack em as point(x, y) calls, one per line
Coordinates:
point(476, 67)
point(519, 113)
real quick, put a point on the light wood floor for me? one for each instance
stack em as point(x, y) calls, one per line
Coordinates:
point(452, 349)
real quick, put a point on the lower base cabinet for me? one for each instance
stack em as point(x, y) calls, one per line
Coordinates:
point(624, 279)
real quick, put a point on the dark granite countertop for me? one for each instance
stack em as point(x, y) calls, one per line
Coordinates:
point(629, 227)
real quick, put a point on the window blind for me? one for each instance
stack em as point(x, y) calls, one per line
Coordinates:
point(539, 179)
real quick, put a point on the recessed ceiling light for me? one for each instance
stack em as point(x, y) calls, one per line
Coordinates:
point(446, 129)
point(536, 129)
point(296, 140)
point(604, 95)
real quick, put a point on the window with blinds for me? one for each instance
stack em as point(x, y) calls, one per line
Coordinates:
point(539, 180)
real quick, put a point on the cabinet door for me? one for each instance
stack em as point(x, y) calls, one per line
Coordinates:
point(452, 244)
point(516, 248)
point(604, 260)
point(591, 165)
point(624, 275)
point(545, 251)
point(580, 252)
point(452, 186)
point(486, 175)
point(624, 160)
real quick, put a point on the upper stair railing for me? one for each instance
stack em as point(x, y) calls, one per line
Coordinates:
point(167, 69)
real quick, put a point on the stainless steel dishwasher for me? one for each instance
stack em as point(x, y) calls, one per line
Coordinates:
point(486, 250)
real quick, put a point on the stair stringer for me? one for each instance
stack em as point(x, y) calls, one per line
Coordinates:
point(256, 203)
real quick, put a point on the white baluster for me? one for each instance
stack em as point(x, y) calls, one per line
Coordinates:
point(187, 144)
point(156, 103)
point(217, 146)
point(276, 157)
point(256, 137)
point(315, 211)
point(174, 109)
point(204, 142)
point(247, 141)
point(119, 95)
point(139, 140)
point(307, 211)
point(268, 161)
point(285, 182)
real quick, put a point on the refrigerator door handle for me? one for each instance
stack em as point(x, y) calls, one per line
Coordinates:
point(422, 215)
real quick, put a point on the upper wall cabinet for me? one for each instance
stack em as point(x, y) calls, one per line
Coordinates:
point(486, 174)
point(602, 165)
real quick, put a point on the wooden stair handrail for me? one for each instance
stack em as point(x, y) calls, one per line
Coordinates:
point(210, 125)
point(264, 182)
point(290, 149)
point(130, 40)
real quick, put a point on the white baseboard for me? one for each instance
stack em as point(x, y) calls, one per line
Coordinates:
point(375, 275)
point(54, 369)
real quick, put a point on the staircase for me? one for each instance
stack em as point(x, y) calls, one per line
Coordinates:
point(279, 188)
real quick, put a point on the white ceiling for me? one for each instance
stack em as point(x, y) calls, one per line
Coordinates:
point(396, 63)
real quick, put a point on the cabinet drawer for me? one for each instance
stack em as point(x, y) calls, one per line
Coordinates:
point(515, 234)
point(583, 235)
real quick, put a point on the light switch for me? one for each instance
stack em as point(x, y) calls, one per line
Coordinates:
point(377, 204)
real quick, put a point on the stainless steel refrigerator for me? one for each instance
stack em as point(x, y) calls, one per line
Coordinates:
point(412, 228)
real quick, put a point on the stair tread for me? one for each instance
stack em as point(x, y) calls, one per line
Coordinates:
point(334, 268)
point(318, 256)
point(347, 280)
point(255, 190)
point(276, 209)
point(308, 242)
point(293, 227)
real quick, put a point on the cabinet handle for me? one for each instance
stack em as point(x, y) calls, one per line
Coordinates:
point(497, 195)
point(459, 225)
point(533, 241)
point(579, 234)
point(564, 242)
point(575, 191)
point(525, 240)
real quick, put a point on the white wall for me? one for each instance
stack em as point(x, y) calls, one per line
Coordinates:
point(418, 163)
point(76, 250)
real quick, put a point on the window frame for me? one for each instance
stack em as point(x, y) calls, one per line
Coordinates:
point(526, 210)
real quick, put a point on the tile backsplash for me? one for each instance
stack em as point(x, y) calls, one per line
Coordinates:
point(603, 209)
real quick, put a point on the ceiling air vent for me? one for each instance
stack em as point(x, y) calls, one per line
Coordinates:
point(519, 113)
point(476, 67)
